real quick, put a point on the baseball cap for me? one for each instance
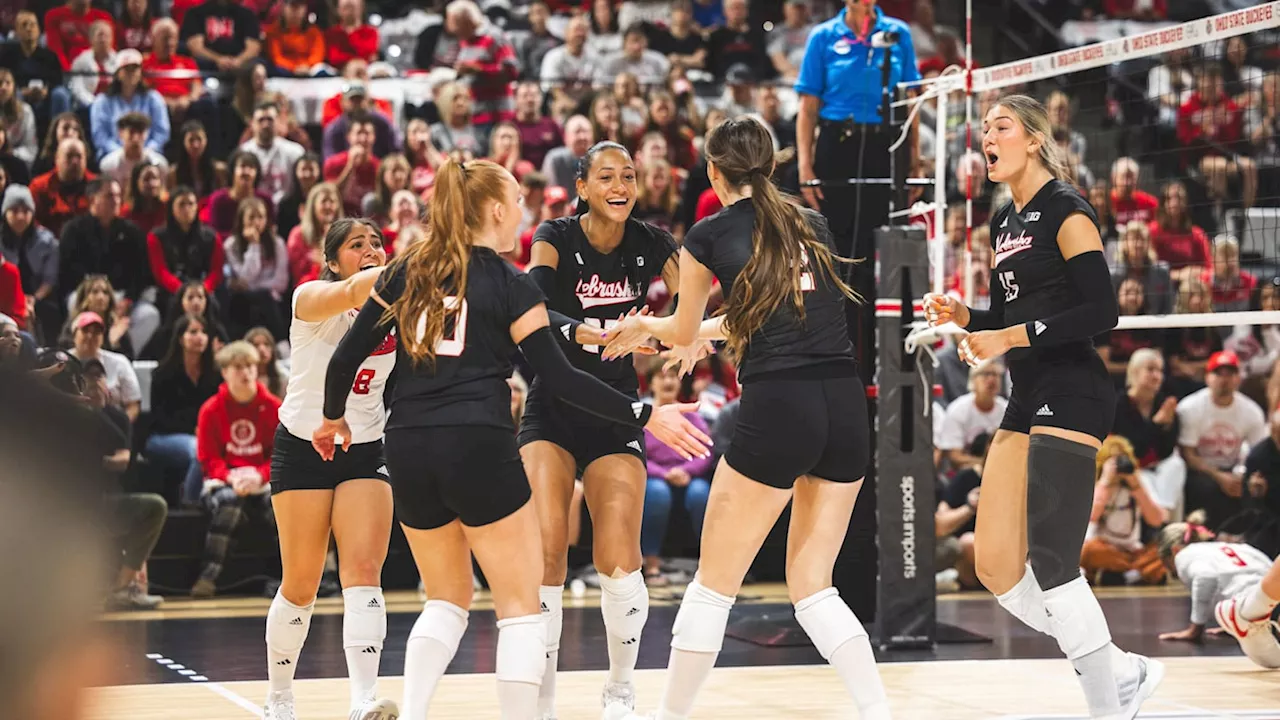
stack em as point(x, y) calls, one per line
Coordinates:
point(355, 88)
point(554, 195)
point(740, 74)
point(127, 57)
point(1224, 358)
point(87, 318)
point(71, 378)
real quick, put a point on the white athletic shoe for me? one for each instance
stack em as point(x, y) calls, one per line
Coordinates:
point(1135, 690)
point(379, 709)
point(279, 707)
point(1256, 637)
point(618, 711)
point(620, 694)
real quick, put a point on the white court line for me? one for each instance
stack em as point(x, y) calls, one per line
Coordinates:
point(233, 697)
point(1188, 712)
point(202, 680)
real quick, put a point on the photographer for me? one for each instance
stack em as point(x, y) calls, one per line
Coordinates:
point(1122, 502)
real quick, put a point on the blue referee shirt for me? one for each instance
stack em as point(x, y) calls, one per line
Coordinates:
point(845, 72)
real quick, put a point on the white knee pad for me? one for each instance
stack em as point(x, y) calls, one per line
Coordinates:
point(1025, 602)
point(287, 625)
point(828, 621)
point(443, 622)
point(364, 617)
point(552, 600)
point(701, 620)
point(522, 649)
point(1076, 619)
point(624, 604)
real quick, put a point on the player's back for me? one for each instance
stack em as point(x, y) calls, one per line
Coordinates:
point(1221, 560)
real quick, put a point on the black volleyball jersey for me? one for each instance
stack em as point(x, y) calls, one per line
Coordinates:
point(722, 243)
point(596, 287)
point(468, 383)
point(1029, 267)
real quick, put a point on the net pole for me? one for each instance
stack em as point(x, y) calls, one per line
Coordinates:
point(939, 239)
point(968, 144)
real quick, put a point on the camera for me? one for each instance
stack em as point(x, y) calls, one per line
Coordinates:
point(1124, 466)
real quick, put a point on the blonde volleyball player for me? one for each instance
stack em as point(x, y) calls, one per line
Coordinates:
point(350, 497)
point(1239, 579)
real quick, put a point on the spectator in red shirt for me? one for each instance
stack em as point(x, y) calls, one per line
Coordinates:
point(246, 170)
point(304, 246)
point(406, 213)
point(174, 76)
point(1135, 10)
point(351, 37)
point(13, 301)
point(1211, 129)
point(486, 64)
point(184, 249)
point(1128, 203)
point(538, 133)
point(60, 193)
point(135, 29)
point(1232, 287)
point(1185, 247)
point(355, 170)
point(423, 156)
point(66, 29)
point(235, 434)
point(950, 52)
point(355, 96)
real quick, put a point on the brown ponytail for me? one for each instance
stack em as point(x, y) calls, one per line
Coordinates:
point(783, 242)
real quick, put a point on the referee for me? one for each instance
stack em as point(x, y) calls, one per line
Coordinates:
point(845, 168)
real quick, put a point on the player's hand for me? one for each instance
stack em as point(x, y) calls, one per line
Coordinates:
point(630, 335)
point(1191, 634)
point(684, 357)
point(979, 347)
point(324, 439)
point(668, 424)
point(940, 309)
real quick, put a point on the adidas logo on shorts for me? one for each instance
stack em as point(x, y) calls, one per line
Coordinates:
point(1044, 411)
point(634, 445)
point(373, 602)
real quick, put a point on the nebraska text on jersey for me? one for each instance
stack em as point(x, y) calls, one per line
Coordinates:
point(1007, 245)
point(595, 292)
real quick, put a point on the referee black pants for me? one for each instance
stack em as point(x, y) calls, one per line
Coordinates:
point(853, 211)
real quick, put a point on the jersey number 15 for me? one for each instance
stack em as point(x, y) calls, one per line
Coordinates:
point(1010, 286)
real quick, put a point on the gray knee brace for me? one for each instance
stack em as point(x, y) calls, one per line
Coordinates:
point(1060, 477)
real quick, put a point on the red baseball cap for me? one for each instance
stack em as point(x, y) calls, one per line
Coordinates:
point(87, 318)
point(554, 195)
point(1224, 358)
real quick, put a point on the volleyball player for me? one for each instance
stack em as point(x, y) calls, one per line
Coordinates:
point(460, 487)
point(802, 431)
point(1054, 295)
point(350, 497)
point(593, 268)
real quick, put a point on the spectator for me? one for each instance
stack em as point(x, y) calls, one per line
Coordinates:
point(648, 66)
point(1135, 10)
point(538, 133)
point(134, 28)
point(1146, 416)
point(33, 250)
point(91, 71)
point(13, 355)
point(224, 204)
point(923, 30)
point(657, 200)
point(405, 213)
point(631, 104)
point(969, 416)
point(1122, 503)
point(949, 52)
point(680, 41)
point(132, 129)
point(1232, 287)
point(567, 71)
point(1116, 347)
point(737, 41)
point(221, 35)
point(1264, 133)
point(357, 105)
point(671, 477)
point(561, 164)
point(304, 175)
point(257, 271)
point(184, 249)
point(664, 119)
point(196, 167)
point(357, 74)
point(324, 205)
point(176, 77)
point(455, 131)
point(128, 93)
point(13, 301)
point(1211, 130)
point(276, 155)
point(606, 121)
point(1127, 201)
point(354, 171)
point(183, 381)
point(955, 521)
point(708, 14)
point(437, 46)
point(1262, 469)
point(94, 294)
point(191, 299)
point(1059, 107)
point(1099, 196)
point(17, 120)
point(606, 35)
point(1242, 82)
point(122, 382)
point(1189, 348)
point(1184, 246)
point(249, 92)
point(60, 193)
point(36, 69)
point(393, 176)
point(738, 85)
point(486, 65)
point(540, 41)
point(504, 149)
point(1218, 425)
point(787, 41)
point(351, 37)
point(237, 465)
point(1170, 85)
point(294, 45)
point(9, 165)
point(273, 373)
point(145, 197)
point(1258, 346)
point(67, 29)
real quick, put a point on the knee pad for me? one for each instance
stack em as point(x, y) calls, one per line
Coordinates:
point(287, 625)
point(701, 620)
point(1076, 618)
point(1060, 479)
point(624, 604)
point(828, 621)
point(441, 621)
point(1025, 601)
point(552, 601)
point(364, 617)
point(522, 649)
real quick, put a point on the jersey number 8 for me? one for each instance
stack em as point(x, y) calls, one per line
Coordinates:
point(598, 324)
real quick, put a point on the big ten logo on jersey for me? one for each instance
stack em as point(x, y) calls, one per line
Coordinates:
point(1033, 216)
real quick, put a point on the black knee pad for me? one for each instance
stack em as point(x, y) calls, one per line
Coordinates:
point(1060, 477)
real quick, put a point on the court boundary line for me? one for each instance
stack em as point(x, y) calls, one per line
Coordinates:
point(203, 680)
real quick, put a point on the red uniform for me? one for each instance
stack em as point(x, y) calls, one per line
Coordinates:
point(233, 435)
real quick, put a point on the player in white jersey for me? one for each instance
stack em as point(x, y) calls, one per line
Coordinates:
point(349, 496)
point(1232, 582)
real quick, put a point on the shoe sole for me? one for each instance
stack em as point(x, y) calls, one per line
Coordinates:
point(1155, 674)
point(382, 709)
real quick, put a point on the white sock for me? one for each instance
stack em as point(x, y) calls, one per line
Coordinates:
point(1082, 633)
point(287, 627)
point(1025, 601)
point(522, 649)
point(364, 627)
point(433, 641)
point(624, 604)
point(552, 600)
point(696, 638)
point(842, 641)
point(1257, 604)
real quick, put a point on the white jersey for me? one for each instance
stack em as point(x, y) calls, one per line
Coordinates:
point(1216, 571)
point(313, 345)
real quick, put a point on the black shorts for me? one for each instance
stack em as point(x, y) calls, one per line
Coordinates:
point(295, 464)
point(789, 428)
point(471, 472)
point(581, 434)
point(1076, 395)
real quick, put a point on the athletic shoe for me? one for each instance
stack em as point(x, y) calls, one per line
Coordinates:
point(279, 707)
point(203, 589)
point(132, 597)
point(618, 711)
point(381, 709)
point(1135, 690)
point(1256, 637)
point(618, 694)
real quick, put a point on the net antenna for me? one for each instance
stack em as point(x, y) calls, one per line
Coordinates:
point(1215, 29)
